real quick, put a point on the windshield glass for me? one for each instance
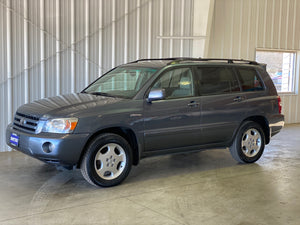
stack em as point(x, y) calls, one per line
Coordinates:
point(122, 82)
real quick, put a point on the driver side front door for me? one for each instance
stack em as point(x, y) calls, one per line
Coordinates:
point(173, 122)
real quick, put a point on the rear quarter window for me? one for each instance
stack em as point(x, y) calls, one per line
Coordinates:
point(250, 80)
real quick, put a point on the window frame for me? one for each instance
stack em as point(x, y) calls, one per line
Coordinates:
point(295, 77)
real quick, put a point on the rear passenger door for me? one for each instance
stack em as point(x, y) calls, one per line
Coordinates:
point(222, 103)
point(254, 91)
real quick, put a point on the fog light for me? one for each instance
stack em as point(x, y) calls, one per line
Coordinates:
point(48, 147)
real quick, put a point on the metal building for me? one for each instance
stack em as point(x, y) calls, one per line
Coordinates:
point(52, 47)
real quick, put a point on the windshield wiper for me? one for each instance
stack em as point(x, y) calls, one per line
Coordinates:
point(101, 94)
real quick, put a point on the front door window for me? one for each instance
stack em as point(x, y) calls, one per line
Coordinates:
point(177, 83)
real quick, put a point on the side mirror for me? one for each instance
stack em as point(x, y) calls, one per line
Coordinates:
point(155, 95)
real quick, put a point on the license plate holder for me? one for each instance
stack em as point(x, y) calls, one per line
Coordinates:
point(14, 139)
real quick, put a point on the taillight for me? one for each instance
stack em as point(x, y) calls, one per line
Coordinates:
point(279, 104)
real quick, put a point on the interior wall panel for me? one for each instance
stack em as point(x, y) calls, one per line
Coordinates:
point(241, 26)
point(52, 47)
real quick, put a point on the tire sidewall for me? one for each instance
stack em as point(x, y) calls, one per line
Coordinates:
point(93, 149)
point(238, 142)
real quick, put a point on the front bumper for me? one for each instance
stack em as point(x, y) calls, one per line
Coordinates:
point(65, 149)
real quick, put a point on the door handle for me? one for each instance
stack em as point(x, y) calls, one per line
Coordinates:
point(238, 99)
point(193, 104)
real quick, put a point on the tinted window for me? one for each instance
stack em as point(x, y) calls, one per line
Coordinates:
point(249, 79)
point(177, 83)
point(217, 80)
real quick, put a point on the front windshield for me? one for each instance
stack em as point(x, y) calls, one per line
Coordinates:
point(122, 82)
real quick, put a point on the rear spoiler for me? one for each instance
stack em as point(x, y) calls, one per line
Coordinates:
point(263, 65)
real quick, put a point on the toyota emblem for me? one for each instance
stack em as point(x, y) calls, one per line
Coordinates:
point(22, 121)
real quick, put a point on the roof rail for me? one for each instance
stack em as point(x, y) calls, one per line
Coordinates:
point(182, 59)
point(162, 59)
point(231, 60)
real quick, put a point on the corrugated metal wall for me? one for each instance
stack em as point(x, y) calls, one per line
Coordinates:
point(51, 47)
point(241, 26)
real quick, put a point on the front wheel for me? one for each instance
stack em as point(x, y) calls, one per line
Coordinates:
point(107, 161)
point(249, 143)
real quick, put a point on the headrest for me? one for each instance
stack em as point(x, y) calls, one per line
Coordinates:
point(185, 82)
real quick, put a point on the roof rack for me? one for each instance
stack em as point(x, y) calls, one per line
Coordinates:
point(231, 60)
point(163, 59)
point(182, 59)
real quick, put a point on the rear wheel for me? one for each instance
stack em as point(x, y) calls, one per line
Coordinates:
point(249, 143)
point(107, 161)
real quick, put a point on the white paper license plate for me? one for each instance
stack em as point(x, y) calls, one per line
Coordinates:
point(14, 139)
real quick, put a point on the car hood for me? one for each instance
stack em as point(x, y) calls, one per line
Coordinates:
point(66, 105)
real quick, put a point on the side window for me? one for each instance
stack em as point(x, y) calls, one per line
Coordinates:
point(249, 79)
point(177, 83)
point(217, 80)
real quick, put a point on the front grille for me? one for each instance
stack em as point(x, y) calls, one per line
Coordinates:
point(25, 123)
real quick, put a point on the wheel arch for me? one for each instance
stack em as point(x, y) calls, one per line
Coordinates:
point(262, 121)
point(127, 133)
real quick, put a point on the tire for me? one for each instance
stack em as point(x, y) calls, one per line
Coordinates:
point(249, 143)
point(107, 160)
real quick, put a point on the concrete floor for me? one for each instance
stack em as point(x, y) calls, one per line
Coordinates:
point(207, 187)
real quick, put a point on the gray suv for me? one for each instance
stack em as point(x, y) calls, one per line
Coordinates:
point(152, 107)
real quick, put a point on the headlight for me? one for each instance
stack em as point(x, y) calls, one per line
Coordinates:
point(60, 125)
